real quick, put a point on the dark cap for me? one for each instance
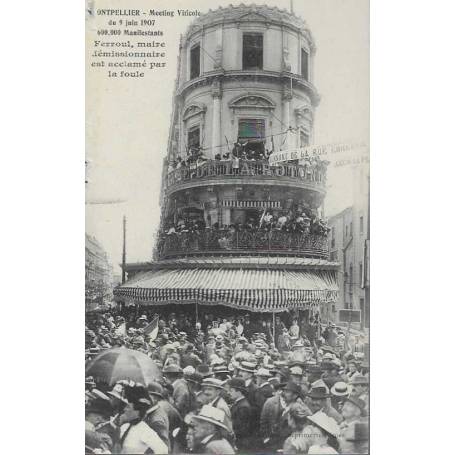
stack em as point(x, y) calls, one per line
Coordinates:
point(100, 406)
point(292, 387)
point(238, 384)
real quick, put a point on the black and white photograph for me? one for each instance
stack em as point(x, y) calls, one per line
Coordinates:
point(227, 230)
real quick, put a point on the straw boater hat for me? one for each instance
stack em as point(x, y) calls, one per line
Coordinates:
point(172, 369)
point(247, 366)
point(323, 421)
point(263, 373)
point(212, 382)
point(218, 369)
point(296, 371)
point(212, 415)
point(341, 389)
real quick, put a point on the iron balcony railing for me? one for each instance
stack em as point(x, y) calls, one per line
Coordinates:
point(247, 242)
point(311, 175)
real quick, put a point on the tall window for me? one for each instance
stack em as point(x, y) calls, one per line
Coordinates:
point(194, 140)
point(304, 64)
point(350, 228)
point(195, 61)
point(252, 51)
point(251, 134)
point(361, 225)
point(360, 274)
point(333, 237)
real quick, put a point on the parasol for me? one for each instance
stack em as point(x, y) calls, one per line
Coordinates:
point(115, 364)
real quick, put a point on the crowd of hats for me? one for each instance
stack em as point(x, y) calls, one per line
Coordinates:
point(311, 370)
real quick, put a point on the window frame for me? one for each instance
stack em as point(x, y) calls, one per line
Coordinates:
point(305, 76)
point(190, 130)
point(257, 67)
point(192, 48)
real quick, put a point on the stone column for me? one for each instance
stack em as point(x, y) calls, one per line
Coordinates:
point(216, 118)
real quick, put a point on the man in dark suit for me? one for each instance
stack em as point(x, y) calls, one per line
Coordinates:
point(242, 414)
point(274, 427)
point(190, 358)
point(181, 392)
point(264, 389)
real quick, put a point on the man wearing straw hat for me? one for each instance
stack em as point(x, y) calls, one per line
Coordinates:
point(264, 389)
point(211, 391)
point(207, 432)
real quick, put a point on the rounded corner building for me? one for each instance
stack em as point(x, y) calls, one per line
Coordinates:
point(235, 231)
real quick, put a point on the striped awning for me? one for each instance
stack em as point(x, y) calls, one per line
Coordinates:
point(253, 290)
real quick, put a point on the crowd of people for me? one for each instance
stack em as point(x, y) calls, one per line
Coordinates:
point(299, 222)
point(314, 168)
point(230, 385)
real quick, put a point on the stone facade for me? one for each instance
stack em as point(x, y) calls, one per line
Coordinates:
point(224, 94)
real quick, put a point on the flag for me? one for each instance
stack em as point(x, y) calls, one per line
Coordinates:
point(262, 217)
point(152, 329)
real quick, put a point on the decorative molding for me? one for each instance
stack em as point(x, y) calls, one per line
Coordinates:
point(218, 57)
point(286, 63)
point(216, 88)
point(249, 101)
point(304, 117)
point(247, 14)
point(194, 109)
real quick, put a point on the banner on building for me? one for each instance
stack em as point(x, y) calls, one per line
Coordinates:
point(323, 151)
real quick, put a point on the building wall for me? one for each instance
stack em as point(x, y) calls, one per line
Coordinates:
point(220, 36)
point(349, 230)
point(226, 41)
point(98, 270)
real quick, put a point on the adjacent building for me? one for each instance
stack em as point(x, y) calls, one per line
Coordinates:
point(98, 273)
point(348, 245)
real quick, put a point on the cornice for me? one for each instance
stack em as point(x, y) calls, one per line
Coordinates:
point(275, 77)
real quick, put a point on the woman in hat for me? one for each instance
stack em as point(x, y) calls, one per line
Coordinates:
point(135, 435)
point(325, 433)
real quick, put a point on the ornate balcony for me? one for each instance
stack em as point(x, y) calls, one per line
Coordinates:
point(258, 242)
point(214, 172)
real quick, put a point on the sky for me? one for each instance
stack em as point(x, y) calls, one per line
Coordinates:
point(127, 120)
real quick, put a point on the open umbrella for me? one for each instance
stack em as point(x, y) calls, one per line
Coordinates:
point(115, 364)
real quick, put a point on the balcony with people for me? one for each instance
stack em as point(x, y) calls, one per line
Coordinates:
point(246, 161)
point(300, 234)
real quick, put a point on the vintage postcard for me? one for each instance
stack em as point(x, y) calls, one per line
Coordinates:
point(227, 227)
